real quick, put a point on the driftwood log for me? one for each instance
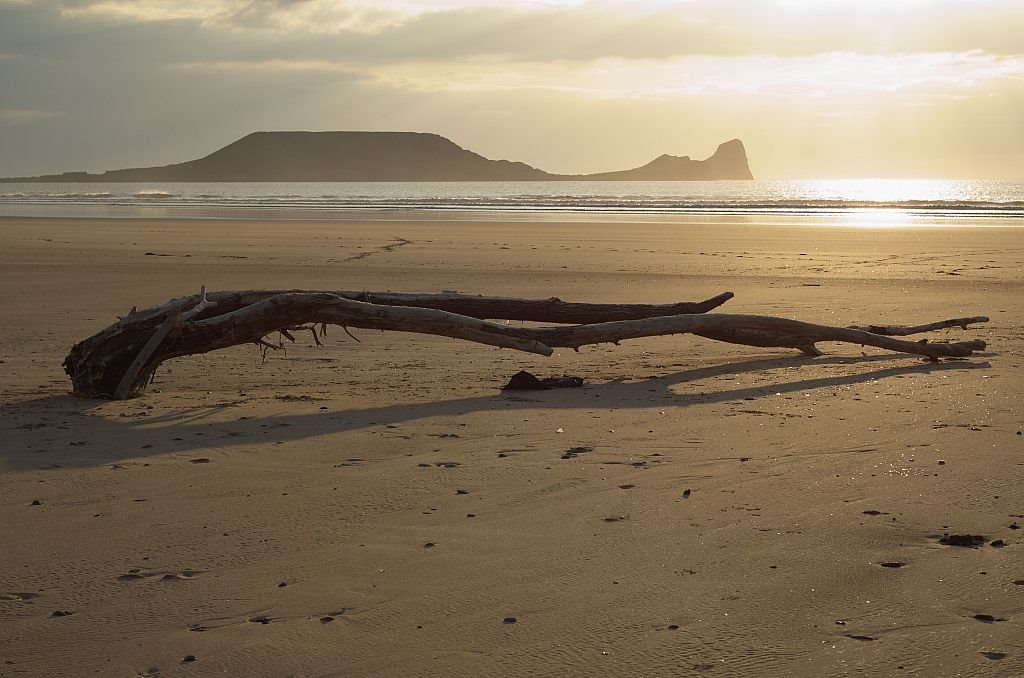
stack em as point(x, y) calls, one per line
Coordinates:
point(120, 360)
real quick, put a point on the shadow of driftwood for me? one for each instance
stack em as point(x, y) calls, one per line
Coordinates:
point(64, 431)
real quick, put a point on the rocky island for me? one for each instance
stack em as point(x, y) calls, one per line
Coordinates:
point(389, 156)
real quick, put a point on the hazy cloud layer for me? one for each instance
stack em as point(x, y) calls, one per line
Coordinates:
point(819, 75)
point(584, 30)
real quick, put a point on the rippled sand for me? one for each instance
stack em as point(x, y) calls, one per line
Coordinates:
point(382, 508)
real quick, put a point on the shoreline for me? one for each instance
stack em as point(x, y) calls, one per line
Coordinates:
point(859, 218)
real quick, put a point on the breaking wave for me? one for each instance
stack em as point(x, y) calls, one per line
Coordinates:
point(938, 198)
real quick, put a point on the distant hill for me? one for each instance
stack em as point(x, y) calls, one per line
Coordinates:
point(728, 162)
point(389, 156)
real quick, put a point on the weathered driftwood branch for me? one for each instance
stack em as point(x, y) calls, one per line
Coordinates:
point(552, 310)
point(904, 330)
point(112, 364)
point(749, 330)
point(101, 366)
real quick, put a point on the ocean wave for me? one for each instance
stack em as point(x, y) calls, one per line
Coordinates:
point(56, 197)
point(154, 195)
point(731, 198)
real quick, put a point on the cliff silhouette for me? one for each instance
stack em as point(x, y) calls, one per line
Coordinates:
point(390, 156)
point(729, 161)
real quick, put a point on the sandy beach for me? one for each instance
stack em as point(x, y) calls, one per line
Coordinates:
point(382, 508)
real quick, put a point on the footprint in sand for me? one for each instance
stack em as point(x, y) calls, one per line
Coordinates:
point(136, 574)
point(574, 452)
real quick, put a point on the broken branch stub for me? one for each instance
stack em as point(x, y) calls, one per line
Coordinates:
point(118, 361)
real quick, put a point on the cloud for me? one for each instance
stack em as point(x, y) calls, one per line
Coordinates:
point(16, 116)
point(314, 16)
point(813, 76)
point(588, 29)
point(270, 66)
point(142, 11)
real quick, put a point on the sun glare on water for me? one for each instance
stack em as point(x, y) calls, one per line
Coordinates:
point(876, 218)
point(881, 192)
point(880, 203)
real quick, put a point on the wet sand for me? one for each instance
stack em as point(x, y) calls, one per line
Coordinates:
point(382, 508)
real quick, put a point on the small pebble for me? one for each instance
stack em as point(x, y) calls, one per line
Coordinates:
point(509, 620)
point(188, 658)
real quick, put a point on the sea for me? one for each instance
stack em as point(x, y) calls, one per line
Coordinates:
point(854, 202)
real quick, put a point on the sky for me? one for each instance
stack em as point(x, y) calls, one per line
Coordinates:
point(814, 88)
